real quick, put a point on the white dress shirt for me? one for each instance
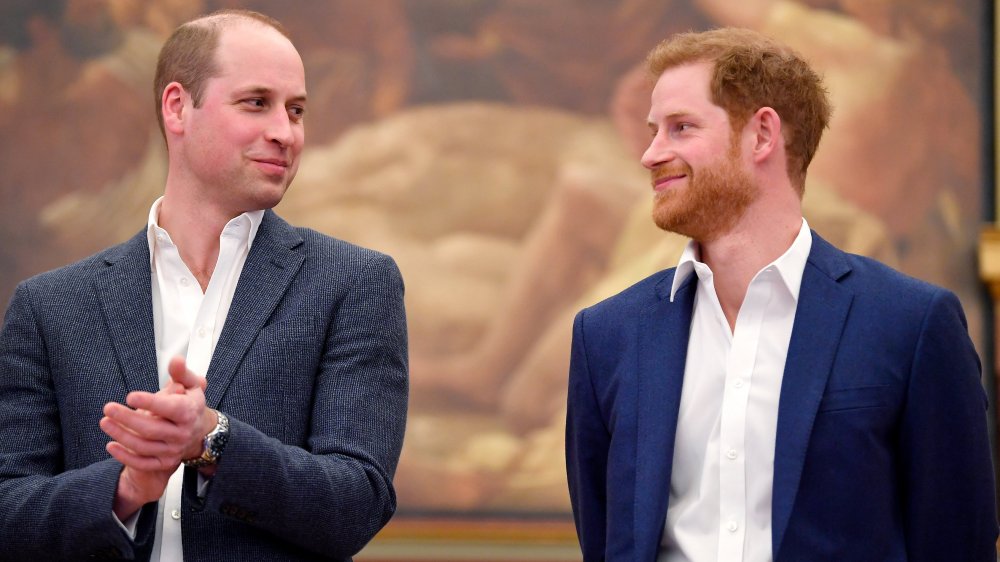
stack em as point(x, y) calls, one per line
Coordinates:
point(188, 322)
point(723, 464)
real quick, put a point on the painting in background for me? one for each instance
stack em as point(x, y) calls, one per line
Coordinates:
point(491, 147)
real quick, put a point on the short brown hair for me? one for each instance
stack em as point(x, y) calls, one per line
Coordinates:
point(188, 56)
point(752, 71)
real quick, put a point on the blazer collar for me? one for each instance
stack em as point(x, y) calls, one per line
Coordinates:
point(822, 311)
point(663, 340)
point(125, 292)
point(271, 265)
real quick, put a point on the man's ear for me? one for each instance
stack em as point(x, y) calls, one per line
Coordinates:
point(173, 104)
point(766, 128)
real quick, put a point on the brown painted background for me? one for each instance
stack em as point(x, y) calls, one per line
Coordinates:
point(491, 147)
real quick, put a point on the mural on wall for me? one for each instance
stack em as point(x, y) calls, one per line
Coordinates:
point(491, 147)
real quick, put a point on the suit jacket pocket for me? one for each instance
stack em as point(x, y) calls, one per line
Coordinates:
point(835, 400)
point(294, 328)
point(276, 373)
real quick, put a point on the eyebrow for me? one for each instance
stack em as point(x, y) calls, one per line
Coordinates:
point(682, 114)
point(264, 91)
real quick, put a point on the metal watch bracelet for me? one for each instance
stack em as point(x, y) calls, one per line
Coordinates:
point(214, 444)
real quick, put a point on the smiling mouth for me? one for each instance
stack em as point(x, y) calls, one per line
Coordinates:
point(272, 161)
point(663, 182)
point(272, 166)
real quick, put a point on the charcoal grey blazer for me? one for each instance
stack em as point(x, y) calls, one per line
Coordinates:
point(310, 367)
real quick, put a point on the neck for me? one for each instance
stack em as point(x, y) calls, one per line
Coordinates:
point(195, 228)
point(757, 239)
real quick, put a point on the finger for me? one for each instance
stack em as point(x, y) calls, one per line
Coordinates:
point(182, 421)
point(146, 425)
point(181, 374)
point(181, 409)
point(122, 412)
point(136, 397)
point(173, 387)
point(128, 458)
point(170, 452)
point(140, 400)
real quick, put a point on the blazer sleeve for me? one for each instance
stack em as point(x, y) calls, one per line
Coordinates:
point(587, 442)
point(46, 512)
point(947, 475)
point(333, 496)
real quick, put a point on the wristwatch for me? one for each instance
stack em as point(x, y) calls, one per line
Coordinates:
point(215, 442)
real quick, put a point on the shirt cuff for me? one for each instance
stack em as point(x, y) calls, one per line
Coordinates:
point(129, 524)
point(203, 483)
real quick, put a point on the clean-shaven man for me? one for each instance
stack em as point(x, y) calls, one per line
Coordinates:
point(223, 386)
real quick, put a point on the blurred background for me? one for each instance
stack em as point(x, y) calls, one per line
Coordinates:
point(491, 147)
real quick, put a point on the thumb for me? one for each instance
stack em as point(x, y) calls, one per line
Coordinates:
point(183, 376)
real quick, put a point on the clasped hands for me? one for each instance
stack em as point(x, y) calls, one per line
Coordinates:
point(155, 433)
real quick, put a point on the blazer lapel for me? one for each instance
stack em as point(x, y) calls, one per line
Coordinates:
point(819, 321)
point(125, 292)
point(663, 342)
point(270, 268)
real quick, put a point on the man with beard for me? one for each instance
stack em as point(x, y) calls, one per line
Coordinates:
point(223, 386)
point(771, 397)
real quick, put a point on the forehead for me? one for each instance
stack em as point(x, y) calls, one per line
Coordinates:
point(683, 88)
point(255, 54)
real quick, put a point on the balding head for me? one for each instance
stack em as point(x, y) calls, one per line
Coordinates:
point(188, 56)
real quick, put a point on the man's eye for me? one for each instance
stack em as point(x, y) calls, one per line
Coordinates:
point(255, 102)
point(296, 111)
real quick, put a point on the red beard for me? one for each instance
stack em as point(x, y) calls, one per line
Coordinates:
point(710, 203)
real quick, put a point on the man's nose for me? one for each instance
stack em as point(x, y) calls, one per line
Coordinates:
point(659, 152)
point(280, 129)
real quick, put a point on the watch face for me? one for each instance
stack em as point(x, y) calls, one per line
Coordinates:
point(214, 443)
point(216, 440)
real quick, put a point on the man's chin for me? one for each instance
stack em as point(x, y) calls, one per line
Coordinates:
point(670, 223)
point(666, 215)
point(684, 224)
point(269, 195)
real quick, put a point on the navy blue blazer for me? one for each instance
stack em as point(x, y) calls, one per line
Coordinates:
point(310, 367)
point(882, 450)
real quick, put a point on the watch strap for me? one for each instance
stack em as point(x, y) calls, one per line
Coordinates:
point(214, 444)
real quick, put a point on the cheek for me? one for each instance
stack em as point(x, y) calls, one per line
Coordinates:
point(241, 134)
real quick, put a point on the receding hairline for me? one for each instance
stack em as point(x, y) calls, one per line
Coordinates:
point(190, 55)
point(223, 20)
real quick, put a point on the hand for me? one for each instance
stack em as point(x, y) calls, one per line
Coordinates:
point(152, 440)
point(164, 428)
point(136, 488)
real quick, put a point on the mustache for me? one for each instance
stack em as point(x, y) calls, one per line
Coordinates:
point(667, 170)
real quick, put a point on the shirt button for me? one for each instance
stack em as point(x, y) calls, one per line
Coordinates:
point(175, 515)
point(202, 331)
point(732, 526)
point(738, 383)
point(185, 282)
point(731, 454)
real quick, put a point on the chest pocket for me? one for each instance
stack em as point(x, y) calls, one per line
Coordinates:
point(836, 400)
point(273, 384)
